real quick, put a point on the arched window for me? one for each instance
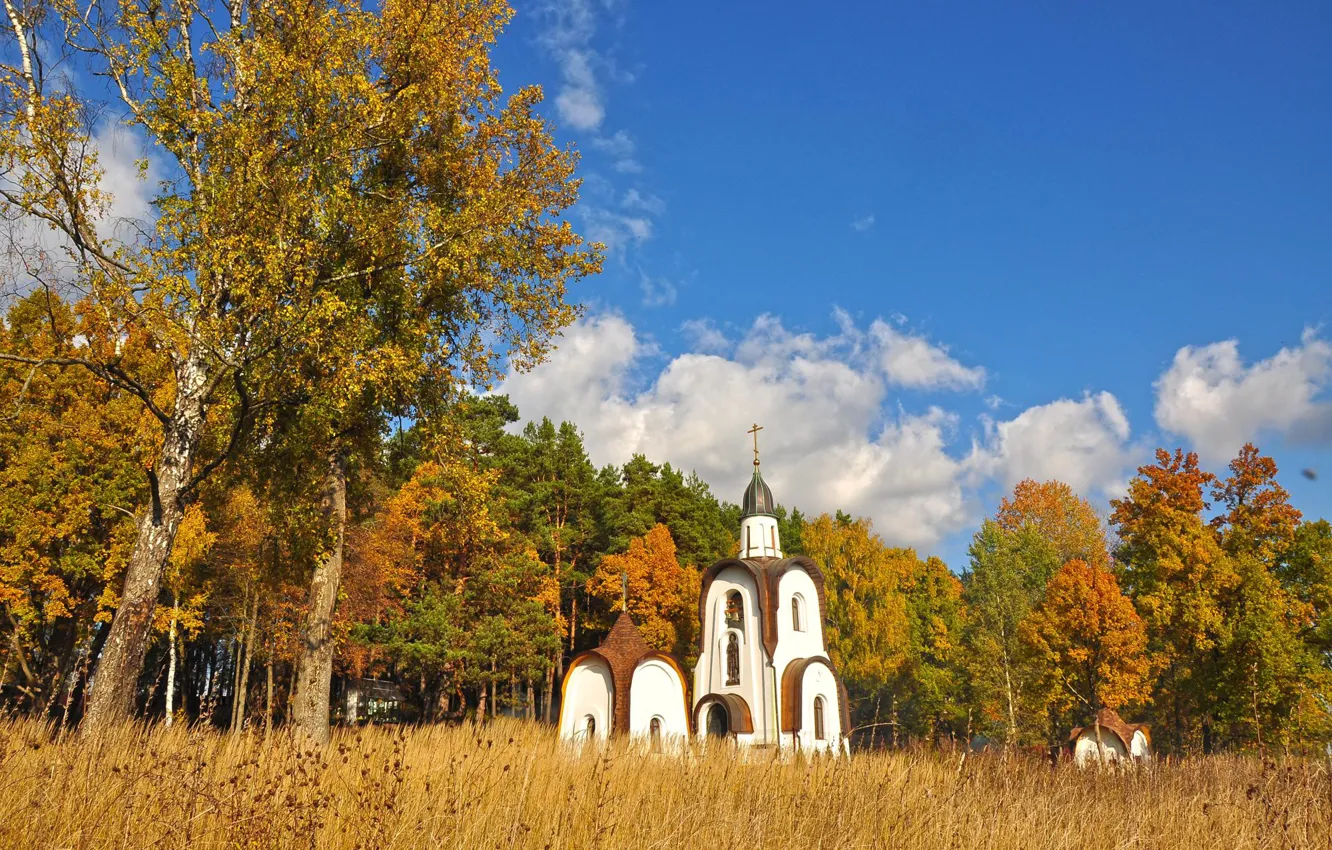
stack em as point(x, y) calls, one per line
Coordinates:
point(797, 615)
point(732, 660)
point(654, 734)
point(590, 724)
point(818, 719)
point(735, 609)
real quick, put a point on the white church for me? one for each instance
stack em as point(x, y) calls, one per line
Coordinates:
point(763, 676)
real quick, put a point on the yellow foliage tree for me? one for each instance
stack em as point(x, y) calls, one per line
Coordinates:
point(354, 219)
point(868, 627)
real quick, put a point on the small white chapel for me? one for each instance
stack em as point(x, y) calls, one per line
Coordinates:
point(763, 676)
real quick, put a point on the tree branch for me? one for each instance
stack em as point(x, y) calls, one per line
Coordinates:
point(237, 429)
point(108, 372)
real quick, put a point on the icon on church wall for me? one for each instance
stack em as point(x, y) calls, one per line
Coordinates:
point(733, 660)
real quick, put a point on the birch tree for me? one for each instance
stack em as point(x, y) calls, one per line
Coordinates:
point(351, 214)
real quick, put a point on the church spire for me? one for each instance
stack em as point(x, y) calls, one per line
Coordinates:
point(758, 517)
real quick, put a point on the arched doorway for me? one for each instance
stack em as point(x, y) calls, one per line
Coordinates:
point(718, 722)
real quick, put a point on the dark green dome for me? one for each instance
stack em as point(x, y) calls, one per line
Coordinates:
point(758, 498)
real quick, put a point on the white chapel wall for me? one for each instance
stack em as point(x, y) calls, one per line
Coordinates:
point(792, 644)
point(657, 691)
point(1112, 749)
point(588, 692)
point(710, 673)
point(1140, 746)
point(818, 683)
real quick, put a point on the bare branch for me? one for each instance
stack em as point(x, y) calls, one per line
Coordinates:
point(110, 372)
point(237, 430)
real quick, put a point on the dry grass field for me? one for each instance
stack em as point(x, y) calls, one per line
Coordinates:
point(509, 784)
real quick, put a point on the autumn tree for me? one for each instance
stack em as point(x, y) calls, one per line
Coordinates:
point(663, 593)
point(1178, 576)
point(642, 494)
point(71, 460)
point(1266, 669)
point(1306, 574)
point(929, 687)
point(867, 628)
point(554, 497)
point(1090, 641)
point(435, 248)
point(1067, 521)
point(1003, 582)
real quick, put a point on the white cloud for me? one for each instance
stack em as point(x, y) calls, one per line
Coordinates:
point(831, 439)
point(1082, 443)
point(913, 361)
point(619, 147)
point(1212, 398)
point(614, 230)
point(635, 200)
point(657, 291)
point(705, 336)
point(862, 224)
point(580, 108)
point(568, 36)
point(33, 245)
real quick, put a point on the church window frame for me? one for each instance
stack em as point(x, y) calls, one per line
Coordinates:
point(818, 719)
point(590, 726)
point(798, 613)
point(654, 734)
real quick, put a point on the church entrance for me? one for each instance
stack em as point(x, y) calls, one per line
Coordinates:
point(718, 723)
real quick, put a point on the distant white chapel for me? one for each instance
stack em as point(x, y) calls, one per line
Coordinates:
point(763, 676)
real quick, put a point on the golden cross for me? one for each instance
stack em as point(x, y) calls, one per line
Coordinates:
point(757, 427)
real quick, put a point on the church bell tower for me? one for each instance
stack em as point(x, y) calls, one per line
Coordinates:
point(758, 518)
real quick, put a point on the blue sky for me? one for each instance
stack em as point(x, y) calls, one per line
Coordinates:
point(993, 229)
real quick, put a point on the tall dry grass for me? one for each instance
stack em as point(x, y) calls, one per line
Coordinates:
point(510, 784)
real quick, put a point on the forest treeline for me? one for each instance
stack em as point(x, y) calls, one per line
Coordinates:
point(238, 450)
point(481, 555)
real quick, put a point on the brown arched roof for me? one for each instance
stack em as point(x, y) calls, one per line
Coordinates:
point(1109, 720)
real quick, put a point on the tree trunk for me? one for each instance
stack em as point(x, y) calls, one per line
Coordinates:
point(573, 617)
point(268, 701)
point(171, 664)
point(315, 675)
point(1012, 708)
point(238, 721)
point(549, 699)
point(237, 662)
point(117, 678)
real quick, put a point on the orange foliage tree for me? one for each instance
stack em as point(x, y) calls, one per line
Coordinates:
point(1092, 642)
point(663, 595)
point(1172, 565)
point(1060, 516)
